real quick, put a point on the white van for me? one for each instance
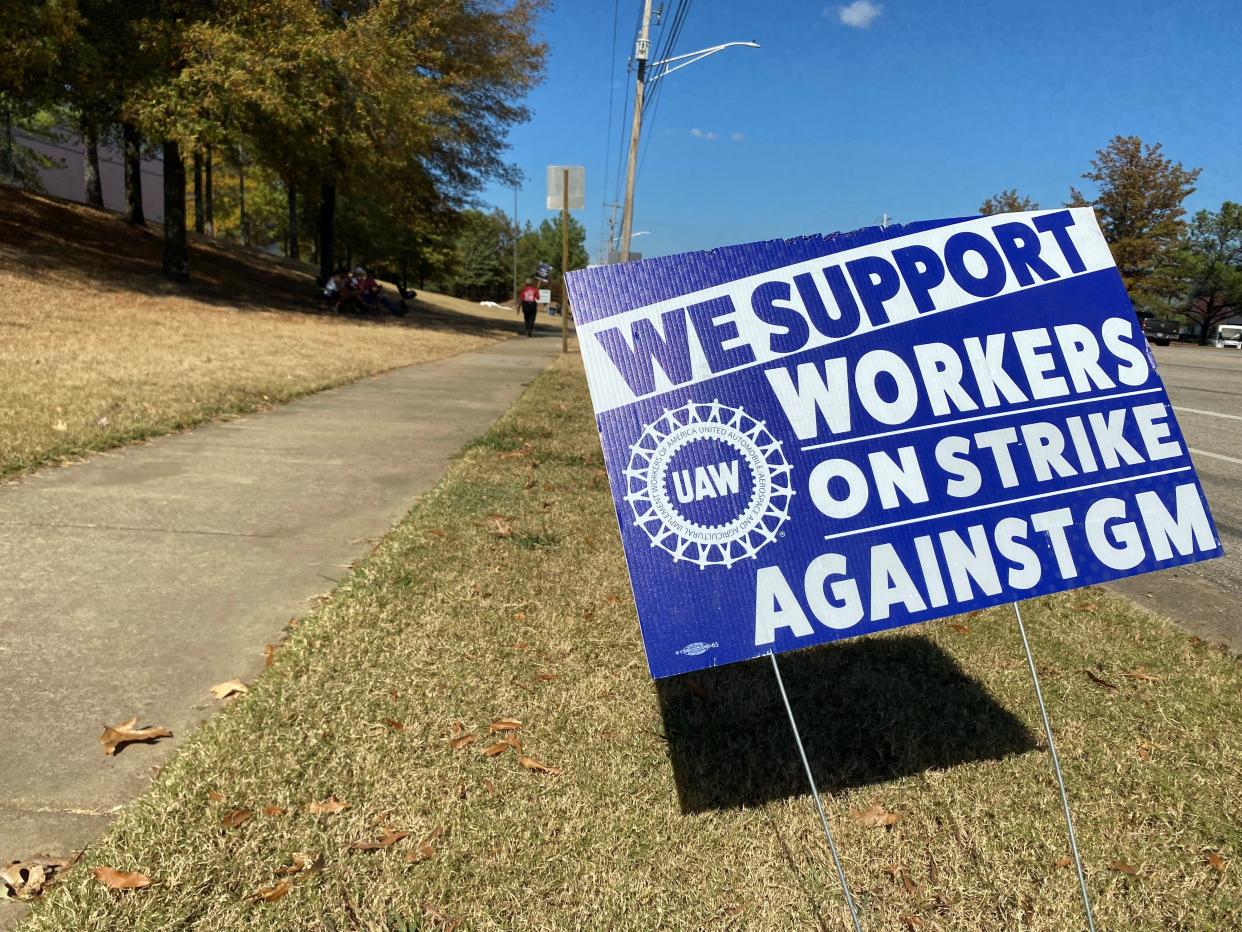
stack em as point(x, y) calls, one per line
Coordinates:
point(1229, 336)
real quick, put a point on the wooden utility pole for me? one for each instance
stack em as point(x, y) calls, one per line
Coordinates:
point(565, 257)
point(640, 55)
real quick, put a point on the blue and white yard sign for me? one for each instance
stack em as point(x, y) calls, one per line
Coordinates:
point(813, 439)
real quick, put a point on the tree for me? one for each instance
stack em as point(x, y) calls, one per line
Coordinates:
point(543, 244)
point(1008, 201)
point(1208, 266)
point(32, 43)
point(483, 252)
point(1139, 206)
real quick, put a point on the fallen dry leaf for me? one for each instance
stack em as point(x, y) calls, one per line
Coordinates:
point(390, 838)
point(269, 655)
point(1124, 867)
point(1088, 607)
point(456, 729)
point(912, 922)
point(498, 748)
point(521, 645)
point(435, 532)
point(696, 688)
point(1144, 751)
point(215, 797)
point(1063, 862)
point(504, 724)
point(301, 863)
point(531, 764)
point(519, 616)
point(501, 528)
point(115, 737)
point(959, 628)
point(546, 677)
point(268, 894)
point(394, 724)
point(874, 817)
point(274, 810)
point(1143, 675)
point(1216, 861)
point(237, 818)
point(121, 880)
point(1099, 680)
point(230, 688)
point(425, 850)
point(329, 805)
point(464, 741)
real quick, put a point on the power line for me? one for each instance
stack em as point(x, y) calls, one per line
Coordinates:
point(666, 51)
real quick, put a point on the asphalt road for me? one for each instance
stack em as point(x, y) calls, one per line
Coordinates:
point(1205, 385)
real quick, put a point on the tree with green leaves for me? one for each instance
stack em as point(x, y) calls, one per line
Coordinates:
point(1138, 201)
point(1008, 201)
point(1208, 267)
point(543, 244)
point(32, 45)
point(483, 255)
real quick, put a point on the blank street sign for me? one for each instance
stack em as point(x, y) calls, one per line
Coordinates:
point(577, 186)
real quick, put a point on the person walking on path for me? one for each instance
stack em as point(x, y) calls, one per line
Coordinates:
point(529, 299)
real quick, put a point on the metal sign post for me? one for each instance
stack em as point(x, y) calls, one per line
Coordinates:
point(823, 819)
point(1056, 766)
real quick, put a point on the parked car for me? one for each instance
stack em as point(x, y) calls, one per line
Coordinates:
point(1161, 332)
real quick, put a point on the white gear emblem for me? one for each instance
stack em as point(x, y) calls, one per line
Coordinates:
point(739, 524)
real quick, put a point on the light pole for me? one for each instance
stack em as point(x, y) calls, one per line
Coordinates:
point(511, 176)
point(641, 47)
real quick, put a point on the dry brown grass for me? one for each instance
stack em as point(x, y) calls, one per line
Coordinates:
point(96, 350)
point(681, 804)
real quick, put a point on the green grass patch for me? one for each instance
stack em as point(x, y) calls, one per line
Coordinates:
point(678, 805)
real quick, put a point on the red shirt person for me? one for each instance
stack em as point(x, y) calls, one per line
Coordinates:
point(529, 298)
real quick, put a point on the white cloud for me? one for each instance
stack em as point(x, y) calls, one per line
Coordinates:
point(704, 134)
point(696, 133)
point(859, 14)
point(736, 137)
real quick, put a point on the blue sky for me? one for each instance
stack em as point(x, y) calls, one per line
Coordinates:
point(914, 108)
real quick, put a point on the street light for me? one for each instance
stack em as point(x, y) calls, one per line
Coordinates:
point(695, 56)
point(641, 48)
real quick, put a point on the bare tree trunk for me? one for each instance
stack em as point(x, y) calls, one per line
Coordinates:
point(209, 207)
point(199, 225)
point(176, 249)
point(133, 174)
point(327, 232)
point(90, 165)
point(8, 167)
point(293, 222)
point(241, 196)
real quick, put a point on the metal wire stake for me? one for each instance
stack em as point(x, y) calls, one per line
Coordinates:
point(823, 819)
point(1056, 765)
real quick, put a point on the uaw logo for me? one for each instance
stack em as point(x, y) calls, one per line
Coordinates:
point(708, 484)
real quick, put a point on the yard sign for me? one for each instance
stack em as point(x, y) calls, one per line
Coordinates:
point(813, 439)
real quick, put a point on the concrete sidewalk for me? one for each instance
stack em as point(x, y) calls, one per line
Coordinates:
point(134, 582)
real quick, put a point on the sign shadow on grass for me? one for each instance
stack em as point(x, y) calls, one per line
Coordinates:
point(869, 710)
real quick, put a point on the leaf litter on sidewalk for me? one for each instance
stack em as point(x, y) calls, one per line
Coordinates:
point(662, 805)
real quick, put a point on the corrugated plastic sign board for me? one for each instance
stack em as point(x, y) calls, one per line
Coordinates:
point(818, 438)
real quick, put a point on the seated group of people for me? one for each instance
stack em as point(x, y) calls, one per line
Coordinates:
point(360, 289)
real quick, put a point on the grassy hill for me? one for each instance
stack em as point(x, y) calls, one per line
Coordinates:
point(98, 350)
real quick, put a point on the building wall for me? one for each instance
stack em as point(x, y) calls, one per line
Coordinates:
point(68, 178)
